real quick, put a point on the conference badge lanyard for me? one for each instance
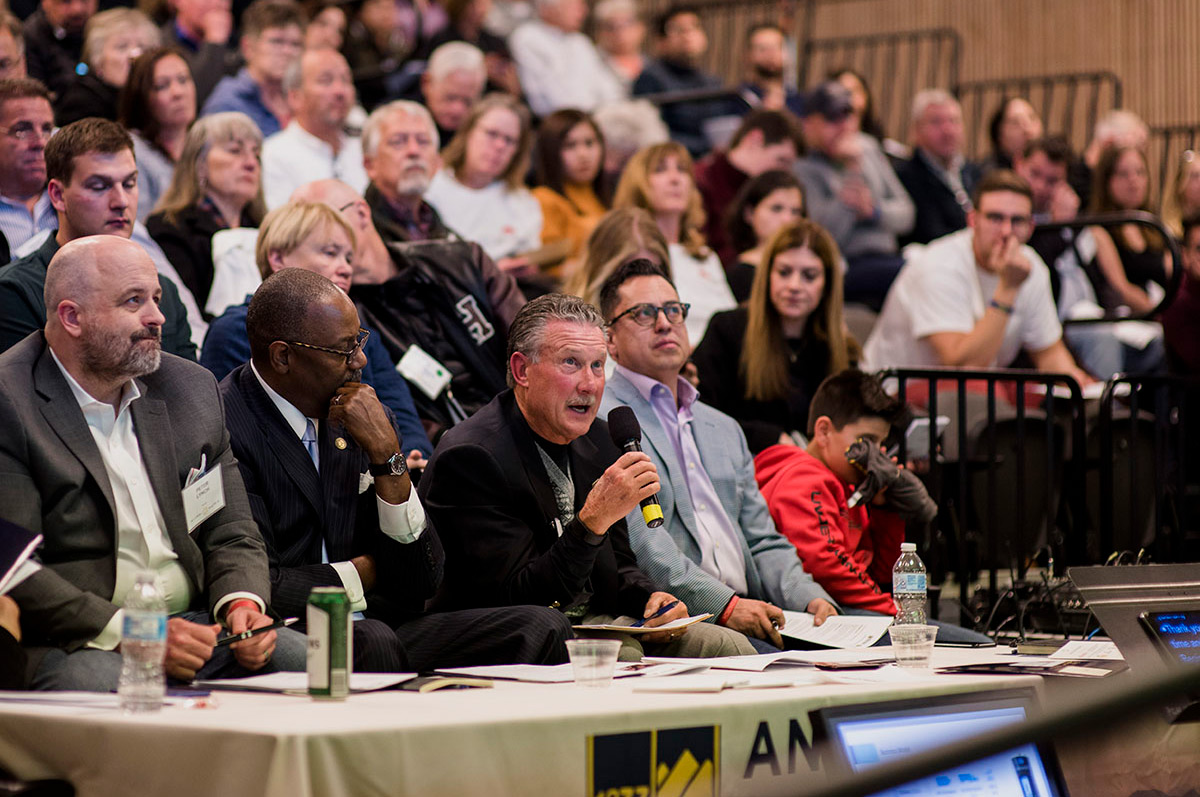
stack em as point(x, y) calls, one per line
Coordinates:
point(203, 494)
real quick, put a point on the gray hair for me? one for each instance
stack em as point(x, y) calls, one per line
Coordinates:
point(371, 130)
point(1120, 122)
point(528, 331)
point(607, 9)
point(456, 57)
point(630, 125)
point(928, 98)
point(104, 24)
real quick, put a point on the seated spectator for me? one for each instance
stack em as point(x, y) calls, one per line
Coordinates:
point(381, 38)
point(568, 162)
point(216, 187)
point(1098, 348)
point(863, 118)
point(766, 58)
point(93, 188)
point(530, 495)
point(622, 235)
point(679, 45)
point(112, 40)
point(1182, 198)
point(453, 82)
point(203, 30)
point(938, 178)
point(54, 41)
point(12, 48)
point(1130, 257)
point(1117, 128)
point(558, 65)
point(975, 298)
point(1181, 320)
point(400, 155)
point(25, 208)
point(106, 497)
point(717, 549)
point(466, 24)
point(620, 35)
point(481, 191)
point(1014, 124)
point(763, 206)
point(852, 192)
point(446, 298)
point(314, 145)
point(326, 27)
point(158, 105)
point(764, 140)
point(762, 363)
point(272, 38)
point(627, 126)
point(320, 525)
point(659, 179)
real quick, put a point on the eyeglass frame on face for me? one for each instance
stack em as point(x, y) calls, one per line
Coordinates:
point(1016, 222)
point(349, 354)
point(666, 308)
point(23, 131)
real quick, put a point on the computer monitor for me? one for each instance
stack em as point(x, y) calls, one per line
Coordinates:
point(864, 736)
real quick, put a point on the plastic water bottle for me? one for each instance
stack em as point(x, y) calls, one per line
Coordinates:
point(143, 647)
point(908, 586)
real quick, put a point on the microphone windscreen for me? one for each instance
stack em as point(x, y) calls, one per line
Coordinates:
point(623, 426)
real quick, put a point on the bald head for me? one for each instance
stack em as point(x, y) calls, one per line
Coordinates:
point(284, 307)
point(81, 267)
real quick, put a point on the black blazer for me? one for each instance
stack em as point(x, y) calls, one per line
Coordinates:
point(938, 212)
point(296, 509)
point(487, 491)
point(188, 246)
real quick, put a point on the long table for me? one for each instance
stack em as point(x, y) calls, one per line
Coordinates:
point(543, 739)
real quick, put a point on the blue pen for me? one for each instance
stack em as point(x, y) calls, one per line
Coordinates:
point(663, 610)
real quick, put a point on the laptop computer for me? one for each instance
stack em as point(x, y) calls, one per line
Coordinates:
point(863, 736)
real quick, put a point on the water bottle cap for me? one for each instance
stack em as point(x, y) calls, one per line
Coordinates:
point(908, 547)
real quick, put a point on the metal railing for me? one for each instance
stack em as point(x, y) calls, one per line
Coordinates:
point(1068, 103)
point(1033, 455)
point(1165, 151)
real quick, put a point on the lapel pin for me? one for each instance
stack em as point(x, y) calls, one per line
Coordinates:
point(339, 443)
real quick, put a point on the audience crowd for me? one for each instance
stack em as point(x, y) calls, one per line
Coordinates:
point(419, 257)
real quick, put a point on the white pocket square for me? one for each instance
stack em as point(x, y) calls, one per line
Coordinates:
point(365, 480)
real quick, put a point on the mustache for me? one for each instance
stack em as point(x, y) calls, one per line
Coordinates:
point(583, 401)
point(153, 333)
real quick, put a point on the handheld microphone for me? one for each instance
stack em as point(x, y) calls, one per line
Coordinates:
point(626, 434)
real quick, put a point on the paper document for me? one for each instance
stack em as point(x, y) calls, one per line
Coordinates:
point(623, 624)
point(298, 682)
point(718, 682)
point(562, 673)
point(1088, 649)
point(840, 631)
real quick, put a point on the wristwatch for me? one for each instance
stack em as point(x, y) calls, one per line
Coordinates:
point(395, 466)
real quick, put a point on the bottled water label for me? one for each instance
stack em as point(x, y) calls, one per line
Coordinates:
point(908, 582)
point(144, 626)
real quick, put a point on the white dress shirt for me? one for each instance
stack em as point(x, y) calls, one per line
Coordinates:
point(294, 157)
point(561, 70)
point(402, 522)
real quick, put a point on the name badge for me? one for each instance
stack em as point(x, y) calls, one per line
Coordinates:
point(419, 368)
point(203, 498)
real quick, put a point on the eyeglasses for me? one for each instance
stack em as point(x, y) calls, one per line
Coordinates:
point(646, 315)
point(1018, 222)
point(349, 354)
point(23, 131)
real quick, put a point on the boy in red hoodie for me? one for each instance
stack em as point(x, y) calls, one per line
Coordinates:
point(849, 552)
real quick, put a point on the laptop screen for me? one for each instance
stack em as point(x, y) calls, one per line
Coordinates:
point(873, 735)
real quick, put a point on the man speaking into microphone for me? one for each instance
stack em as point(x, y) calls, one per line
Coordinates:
point(716, 547)
point(530, 495)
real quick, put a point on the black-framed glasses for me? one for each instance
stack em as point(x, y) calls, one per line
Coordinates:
point(646, 314)
point(349, 354)
point(23, 131)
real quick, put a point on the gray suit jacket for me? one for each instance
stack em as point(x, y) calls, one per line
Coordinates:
point(670, 554)
point(53, 481)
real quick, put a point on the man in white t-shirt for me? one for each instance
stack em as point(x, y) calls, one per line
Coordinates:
point(977, 297)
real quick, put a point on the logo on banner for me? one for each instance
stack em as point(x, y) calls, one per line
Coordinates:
point(680, 762)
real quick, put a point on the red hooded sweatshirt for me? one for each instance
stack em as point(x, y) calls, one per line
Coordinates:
point(849, 552)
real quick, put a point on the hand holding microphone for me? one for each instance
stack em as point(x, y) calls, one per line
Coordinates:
point(626, 433)
point(630, 480)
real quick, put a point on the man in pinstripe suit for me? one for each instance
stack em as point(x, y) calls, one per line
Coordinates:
point(328, 486)
point(718, 548)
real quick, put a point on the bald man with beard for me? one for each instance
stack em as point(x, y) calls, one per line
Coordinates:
point(103, 431)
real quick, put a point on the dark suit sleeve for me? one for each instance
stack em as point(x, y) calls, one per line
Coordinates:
point(470, 499)
point(19, 315)
point(12, 662)
point(176, 331)
point(225, 345)
point(394, 394)
point(181, 252)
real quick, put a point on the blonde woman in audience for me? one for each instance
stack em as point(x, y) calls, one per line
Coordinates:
point(1130, 256)
point(568, 162)
point(112, 40)
point(761, 207)
point(1182, 200)
point(762, 363)
point(158, 104)
point(621, 236)
point(217, 186)
point(480, 192)
point(659, 179)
